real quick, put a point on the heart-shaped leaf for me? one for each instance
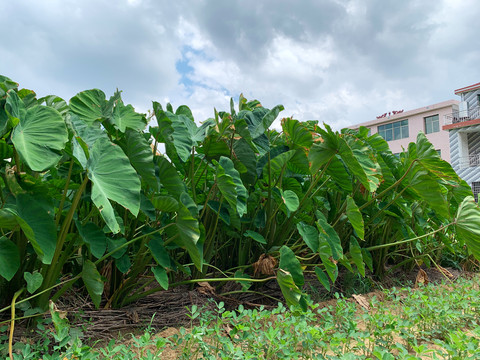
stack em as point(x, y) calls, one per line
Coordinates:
point(34, 281)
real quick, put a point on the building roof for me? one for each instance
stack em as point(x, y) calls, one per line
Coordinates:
point(467, 88)
point(406, 114)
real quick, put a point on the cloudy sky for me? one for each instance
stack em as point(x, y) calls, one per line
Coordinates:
point(337, 61)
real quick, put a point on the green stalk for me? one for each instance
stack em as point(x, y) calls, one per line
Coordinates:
point(37, 294)
point(251, 292)
point(383, 246)
point(12, 322)
point(64, 196)
point(52, 271)
point(72, 281)
point(206, 200)
point(17, 161)
point(308, 194)
point(211, 234)
point(268, 205)
point(192, 175)
point(394, 185)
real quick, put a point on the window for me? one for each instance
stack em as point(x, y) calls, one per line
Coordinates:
point(432, 124)
point(439, 152)
point(394, 131)
point(476, 189)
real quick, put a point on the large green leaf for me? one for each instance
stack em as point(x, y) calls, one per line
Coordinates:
point(322, 277)
point(125, 117)
point(231, 186)
point(427, 188)
point(278, 164)
point(268, 156)
point(89, 133)
point(246, 156)
point(117, 247)
point(169, 177)
point(266, 120)
point(15, 107)
point(309, 235)
point(4, 124)
point(40, 136)
point(9, 258)
point(38, 226)
point(93, 282)
point(327, 233)
point(355, 217)
point(292, 294)
point(174, 132)
point(113, 179)
point(326, 250)
point(161, 276)
point(222, 211)
point(140, 153)
point(290, 200)
point(429, 158)
point(322, 152)
point(468, 225)
point(165, 203)
point(297, 134)
point(189, 235)
point(359, 160)
point(339, 174)
point(255, 236)
point(356, 254)
point(6, 84)
point(8, 219)
point(290, 263)
point(90, 105)
point(299, 164)
point(55, 102)
point(214, 147)
point(94, 237)
point(159, 252)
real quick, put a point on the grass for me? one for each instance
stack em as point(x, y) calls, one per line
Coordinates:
point(432, 322)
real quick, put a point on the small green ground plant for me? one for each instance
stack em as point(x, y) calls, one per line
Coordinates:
point(431, 322)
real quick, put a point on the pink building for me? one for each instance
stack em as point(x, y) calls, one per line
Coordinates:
point(400, 128)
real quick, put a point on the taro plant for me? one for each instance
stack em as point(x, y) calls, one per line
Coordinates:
point(75, 181)
point(86, 196)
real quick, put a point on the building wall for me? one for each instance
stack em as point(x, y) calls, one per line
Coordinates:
point(458, 150)
point(416, 123)
point(471, 98)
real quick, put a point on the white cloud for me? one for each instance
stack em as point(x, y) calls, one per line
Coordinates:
point(339, 61)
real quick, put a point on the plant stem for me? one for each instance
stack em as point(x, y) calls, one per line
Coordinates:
point(71, 281)
point(383, 246)
point(394, 185)
point(12, 322)
point(64, 196)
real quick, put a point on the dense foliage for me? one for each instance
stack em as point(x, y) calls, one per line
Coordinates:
point(87, 197)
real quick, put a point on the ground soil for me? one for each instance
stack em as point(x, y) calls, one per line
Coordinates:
point(166, 311)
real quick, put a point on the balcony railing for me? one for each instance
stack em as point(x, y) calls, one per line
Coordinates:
point(471, 160)
point(462, 116)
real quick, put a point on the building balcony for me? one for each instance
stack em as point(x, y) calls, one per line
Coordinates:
point(458, 117)
point(472, 160)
